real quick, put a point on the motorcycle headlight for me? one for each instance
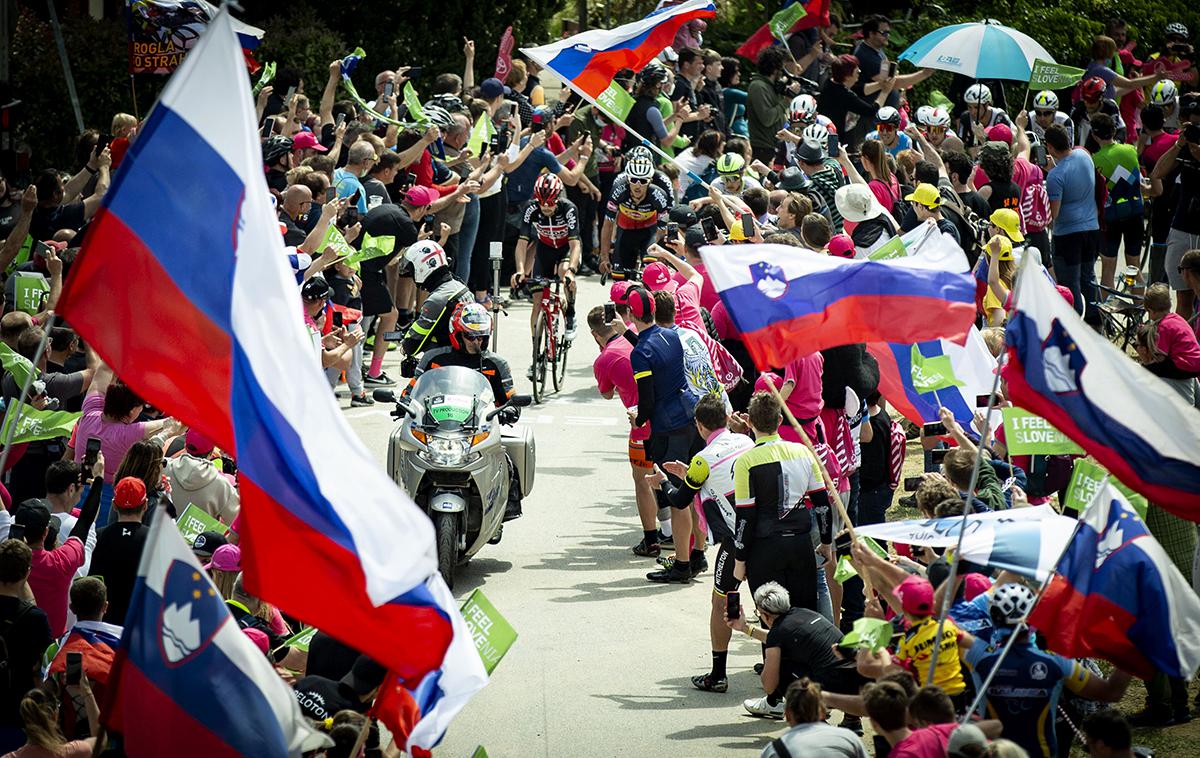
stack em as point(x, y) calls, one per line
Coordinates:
point(447, 451)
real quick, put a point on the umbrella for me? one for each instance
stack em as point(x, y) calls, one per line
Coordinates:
point(978, 50)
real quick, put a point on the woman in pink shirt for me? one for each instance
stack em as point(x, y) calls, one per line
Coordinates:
point(1167, 346)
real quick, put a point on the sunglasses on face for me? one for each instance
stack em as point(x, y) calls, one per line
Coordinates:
point(937, 130)
point(885, 128)
point(639, 181)
point(1043, 114)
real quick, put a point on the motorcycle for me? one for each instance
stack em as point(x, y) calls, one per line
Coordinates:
point(452, 457)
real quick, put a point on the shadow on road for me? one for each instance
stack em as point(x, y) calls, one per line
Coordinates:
point(476, 572)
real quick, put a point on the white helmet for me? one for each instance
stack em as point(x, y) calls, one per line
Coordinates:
point(805, 106)
point(639, 167)
point(1011, 603)
point(923, 114)
point(1163, 93)
point(425, 257)
point(815, 135)
point(1045, 101)
point(978, 94)
point(939, 117)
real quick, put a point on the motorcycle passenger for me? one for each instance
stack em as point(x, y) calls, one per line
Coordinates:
point(431, 271)
point(636, 211)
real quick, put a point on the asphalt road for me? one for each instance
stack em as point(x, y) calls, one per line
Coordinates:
point(602, 663)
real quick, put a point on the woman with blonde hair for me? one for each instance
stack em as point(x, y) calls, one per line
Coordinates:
point(39, 718)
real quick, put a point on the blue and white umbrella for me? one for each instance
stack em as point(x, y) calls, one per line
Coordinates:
point(978, 50)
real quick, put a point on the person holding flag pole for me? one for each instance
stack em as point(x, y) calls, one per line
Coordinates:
point(16, 407)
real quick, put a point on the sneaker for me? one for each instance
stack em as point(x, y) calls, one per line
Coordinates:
point(758, 667)
point(570, 333)
point(383, 380)
point(646, 551)
point(670, 576)
point(666, 561)
point(760, 707)
point(707, 683)
point(361, 400)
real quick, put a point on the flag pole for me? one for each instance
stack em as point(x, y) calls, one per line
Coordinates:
point(14, 410)
point(970, 493)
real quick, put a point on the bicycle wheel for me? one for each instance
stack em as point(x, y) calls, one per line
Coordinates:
point(561, 346)
point(541, 347)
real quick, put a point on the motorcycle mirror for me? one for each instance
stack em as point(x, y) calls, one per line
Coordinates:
point(382, 395)
point(520, 401)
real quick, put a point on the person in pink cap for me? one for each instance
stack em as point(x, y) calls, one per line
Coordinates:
point(304, 145)
point(224, 567)
point(842, 246)
point(196, 480)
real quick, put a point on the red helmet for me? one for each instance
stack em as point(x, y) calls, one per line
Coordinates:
point(1092, 89)
point(547, 188)
point(472, 320)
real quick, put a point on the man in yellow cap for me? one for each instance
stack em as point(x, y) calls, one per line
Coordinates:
point(927, 204)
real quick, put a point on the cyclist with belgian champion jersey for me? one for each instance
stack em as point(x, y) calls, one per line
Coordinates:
point(636, 211)
point(710, 475)
point(551, 223)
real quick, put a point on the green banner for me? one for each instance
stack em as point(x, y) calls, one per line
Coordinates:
point(268, 73)
point(493, 635)
point(845, 569)
point(480, 133)
point(334, 238)
point(875, 547)
point(193, 522)
point(17, 365)
point(893, 248)
point(301, 640)
point(1047, 75)
point(23, 255)
point(932, 374)
point(362, 105)
point(414, 104)
point(781, 23)
point(1028, 434)
point(869, 633)
point(479, 753)
point(34, 425)
point(31, 290)
point(372, 247)
point(615, 102)
point(1087, 479)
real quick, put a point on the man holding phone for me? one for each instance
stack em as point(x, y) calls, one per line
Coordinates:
point(348, 181)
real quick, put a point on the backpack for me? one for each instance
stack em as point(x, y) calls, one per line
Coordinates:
point(972, 230)
point(1035, 207)
point(23, 609)
point(896, 455)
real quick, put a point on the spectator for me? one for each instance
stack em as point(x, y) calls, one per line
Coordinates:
point(1124, 211)
point(39, 715)
point(767, 100)
point(880, 449)
point(25, 631)
point(94, 640)
point(842, 102)
point(1167, 346)
point(1107, 734)
point(1104, 52)
point(1183, 157)
point(321, 698)
point(871, 54)
point(887, 705)
point(196, 481)
point(1071, 185)
point(119, 547)
point(297, 202)
point(809, 733)
point(348, 181)
point(959, 463)
point(145, 462)
point(223, 567)
point(64, 490)
point(927, 202)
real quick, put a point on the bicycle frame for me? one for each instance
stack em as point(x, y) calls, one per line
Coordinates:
point(552, 306)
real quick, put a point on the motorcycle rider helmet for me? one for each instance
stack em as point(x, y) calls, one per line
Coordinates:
point(939, 117)
point(803, 108)
point(978, 94)
point(547, 189)
point(1092, 89)
point(275, 148)
point(731, 164)
point(1163, 93)
point(316, 288)
point(640, 167)
point(1011, 603)
point(471, 320)
point(425, 257)
point(923, 114)
point(888, 115)
point(1045, 101)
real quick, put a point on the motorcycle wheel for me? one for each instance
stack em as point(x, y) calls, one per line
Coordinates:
point(561, 346)
point(541, 346)
point(446, 527)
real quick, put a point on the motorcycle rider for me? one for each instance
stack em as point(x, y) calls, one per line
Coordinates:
point(431, 271)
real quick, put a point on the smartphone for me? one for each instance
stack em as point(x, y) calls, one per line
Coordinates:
point(891, 69)
point(393, 336)
point(414, 72)
point(74, 668)
point(268, 127)
point(936, 429)
point(341, 119)
point(733, 605)
point(388, 89)
point(831, 145)
point(672, 231)
point(337, 319)
point(981, 401)
point(912, 482)
point(40, 250)
point(429, 223)
point(104, 141)
point(937, 456)
point(287, 100)
point(355, 198)
point(90, 452)
point(610, 313)
point(330, 194)
point(748, 225)
point(710, 228)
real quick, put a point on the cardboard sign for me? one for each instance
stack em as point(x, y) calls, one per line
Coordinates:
point(1027, 434)
point(34, 425)
point(932, 374)
point(493, 635)
point(1087, 479)
point(893, 248)
point(869, 633)
point(1047, 75)
point(615, 102)
point(193, 522)
point(31, 290)
point(302, 639)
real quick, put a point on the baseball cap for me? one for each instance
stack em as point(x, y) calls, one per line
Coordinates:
point(842, 246)
point(975, 584)
point(225, 558)
point(197, 444)
point(683, 215)
point(694, 237)
point(1066, 293)
point(916, 596)
point(418, 196)
point(857, 203)
point(966, 735)
point(259, 638)
point(619, 292)
point(129, 494)
point(207, 542)
point(33, 514)
point(1127, 59)
point(792, 178)
point(365, 675)
point(760, 384)
point(493, 88)
point(925, 194)
point(657, 277)
point(307, 141)
point(1008, 220)
point(1000, 133)
point(640, 302)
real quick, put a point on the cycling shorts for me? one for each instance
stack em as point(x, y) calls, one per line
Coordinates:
point(724, 581)
point(637, 455)
point(546, 260)
point(630, 247)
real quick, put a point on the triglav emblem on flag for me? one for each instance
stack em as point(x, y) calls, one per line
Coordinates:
point(1063, 360)
point(191, 614)
point(769, 279)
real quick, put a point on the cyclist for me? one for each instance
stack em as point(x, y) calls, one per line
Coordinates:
point(710, 475)
point(552, 224)
point(1045, 113)
point(936, 125)
point(1091, 102)
point(637, 210)
point(980, 113)
point(431, 272)
point(1165, 95)
point(887, 131)
point(731, 175)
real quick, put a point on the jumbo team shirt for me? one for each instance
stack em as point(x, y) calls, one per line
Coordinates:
point(772, 482)
point(915, 652)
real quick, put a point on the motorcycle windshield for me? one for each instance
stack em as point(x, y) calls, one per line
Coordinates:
point(453, 396)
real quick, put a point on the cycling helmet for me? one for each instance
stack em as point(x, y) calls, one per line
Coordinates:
point(939, 117)
point(1092, 89)
point(438, 116)
point(815, 135)
point(470, 319)
point(640, 151)
point(923, 114)
point(731, 164)
point(275, 148)
point(1176, 29)
point(425, 257)
point(547, 188)
point(316, 288)
point(452, 103)
point(1045, 101)
point(803, 108)
point(651, 74)
point(978, 94)
point(1011, 603)
point(1163, 93)
point(639, 167)
point(888, 115)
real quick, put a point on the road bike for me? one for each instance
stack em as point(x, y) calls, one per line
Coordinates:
point(550, 343)
point(1122, 311)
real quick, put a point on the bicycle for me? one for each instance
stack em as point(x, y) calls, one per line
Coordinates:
point(550, 343)
point(1122, 312)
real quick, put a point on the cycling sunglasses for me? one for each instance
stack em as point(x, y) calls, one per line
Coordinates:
point(633, 180)
point(1043, 113)
point(885, 127)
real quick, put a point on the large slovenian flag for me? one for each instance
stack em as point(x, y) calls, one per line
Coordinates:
point(788, 302)
point(1117, 595)
point(186, 231)
point(186, 681)
point(589, 60)
point(816, 15)
point(1139, 428)
point(973, 366)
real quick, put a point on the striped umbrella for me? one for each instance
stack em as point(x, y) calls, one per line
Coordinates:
point(978, 50)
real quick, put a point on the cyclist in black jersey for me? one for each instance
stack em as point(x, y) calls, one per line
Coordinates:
point(635, 215)
point(551, 223)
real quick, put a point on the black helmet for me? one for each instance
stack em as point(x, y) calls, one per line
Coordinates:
point(316, 288)
point(651, 74)
point(275, 148)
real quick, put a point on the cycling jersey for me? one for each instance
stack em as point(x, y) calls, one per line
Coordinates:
point(903, 142)
point(647, 213)
point(772, 482)
point(710, 474)
point(556, 230)
point(1060, 118)
point(993, 116)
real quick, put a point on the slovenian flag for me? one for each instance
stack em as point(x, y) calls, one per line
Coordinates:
point(816, 16)
point(1117, 595)
point(327, 536)
point(1134, 423)
point(589, 60)
point(788, 302)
